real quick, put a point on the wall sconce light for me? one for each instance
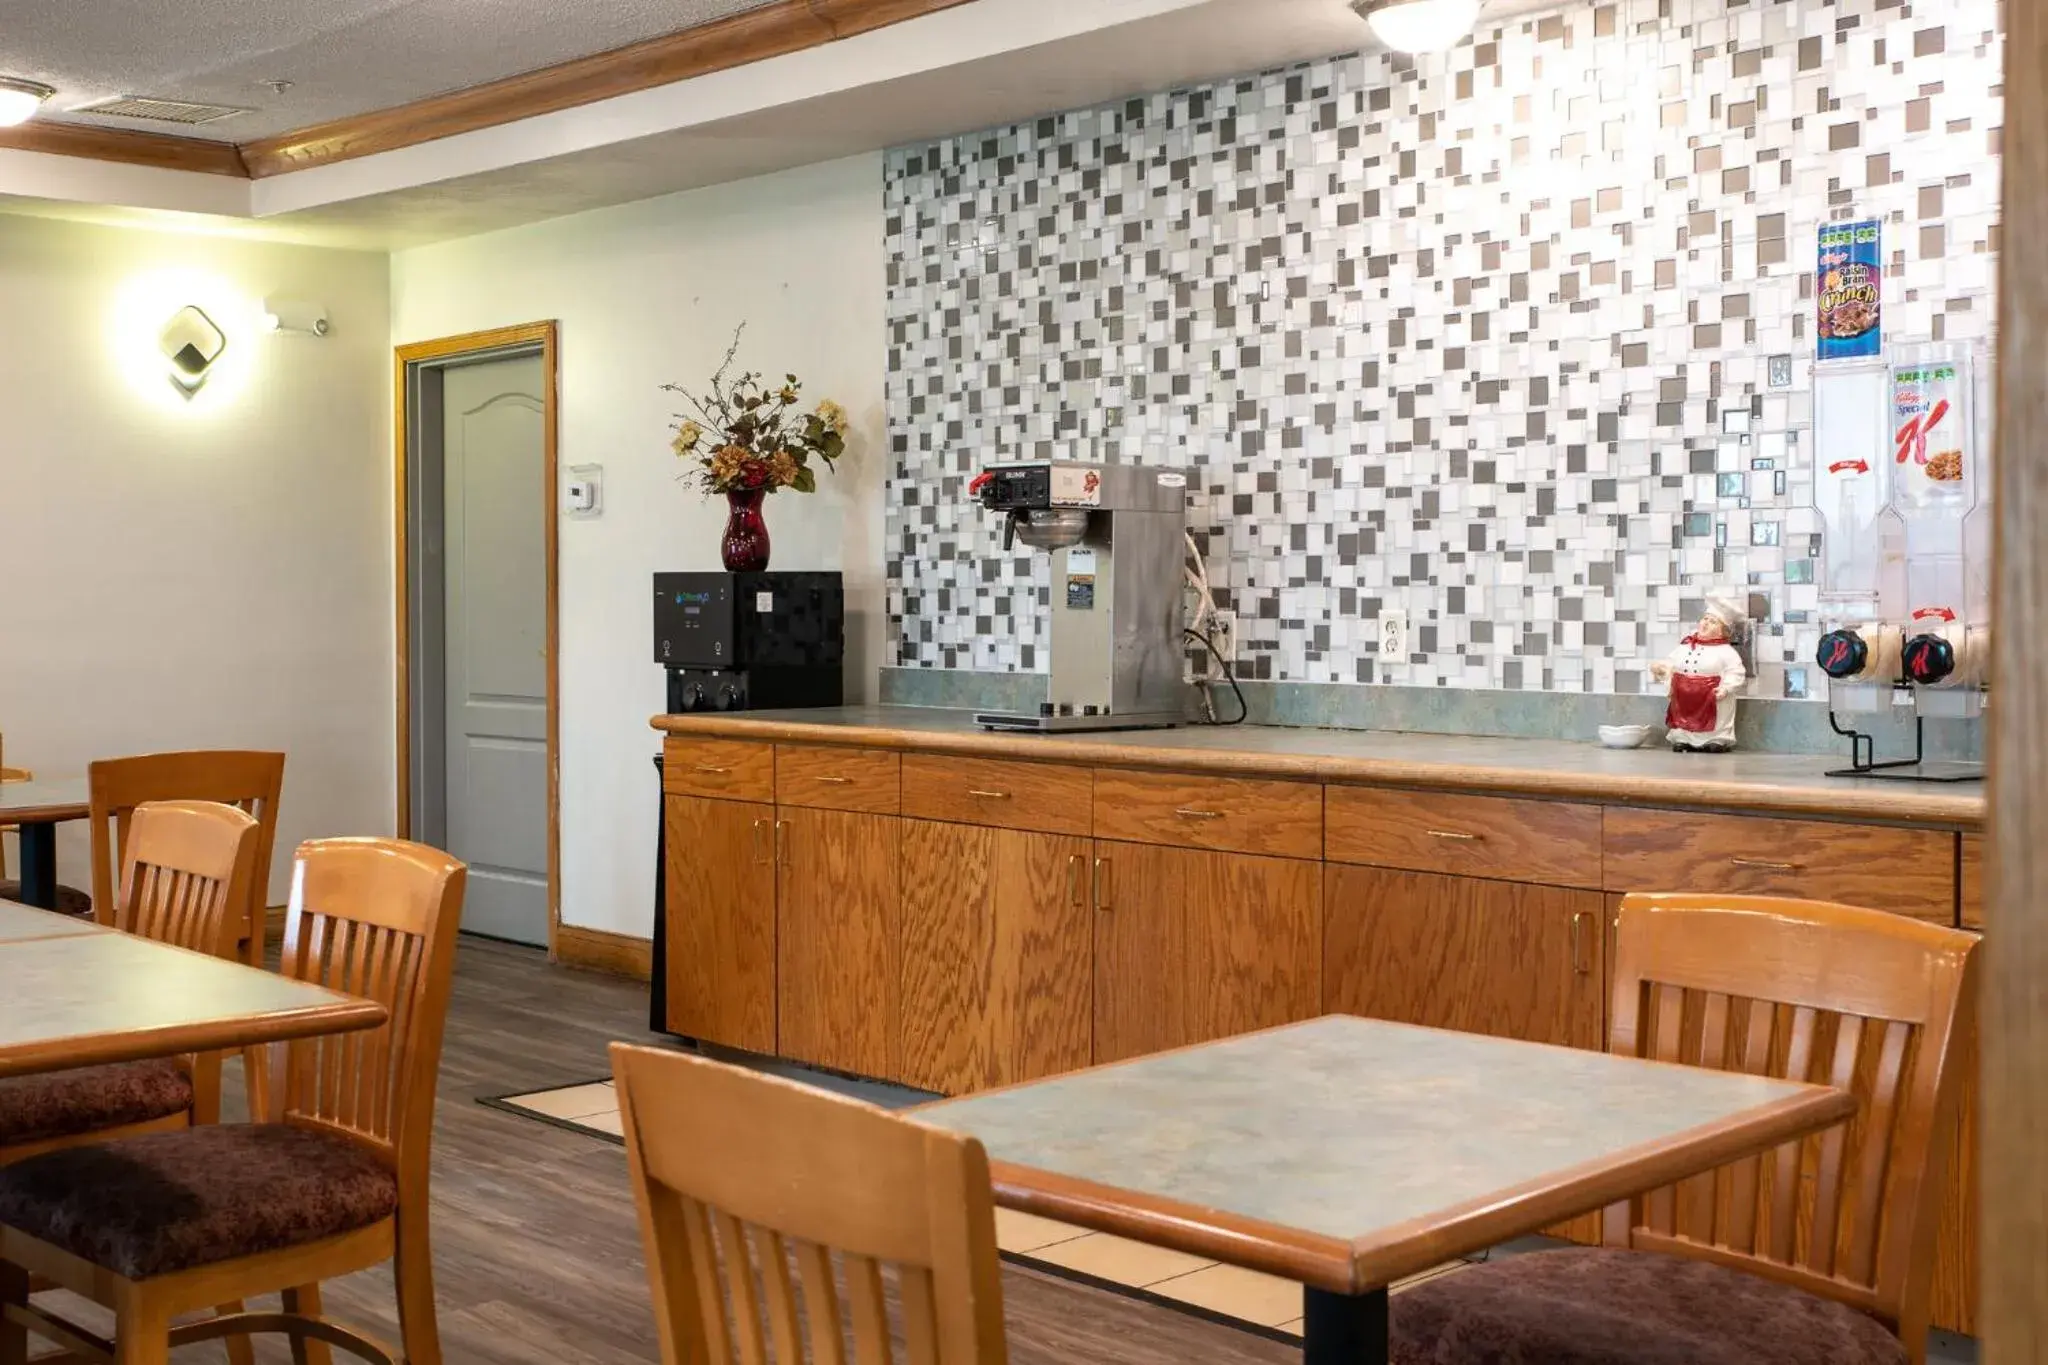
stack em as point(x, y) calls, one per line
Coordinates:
point(191, 342)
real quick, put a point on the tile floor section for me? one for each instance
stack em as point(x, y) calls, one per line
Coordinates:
point(1247, 1295)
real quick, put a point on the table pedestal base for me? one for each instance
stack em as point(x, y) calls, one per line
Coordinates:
point(39, 865)
point(1343, 1329)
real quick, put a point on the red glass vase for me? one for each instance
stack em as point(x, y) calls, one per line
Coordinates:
point(745, 547)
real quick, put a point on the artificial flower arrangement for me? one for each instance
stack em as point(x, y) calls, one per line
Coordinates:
point(746, 436)
point(746, 440)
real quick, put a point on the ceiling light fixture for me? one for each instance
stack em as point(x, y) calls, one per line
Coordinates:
point(19, 99)
point(1419, 25)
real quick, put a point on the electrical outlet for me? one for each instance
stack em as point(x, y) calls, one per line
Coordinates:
point(1393, 633)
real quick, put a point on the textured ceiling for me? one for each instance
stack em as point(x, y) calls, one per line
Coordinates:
point(342, 57)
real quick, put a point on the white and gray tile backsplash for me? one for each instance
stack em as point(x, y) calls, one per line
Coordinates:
point(1487, 337)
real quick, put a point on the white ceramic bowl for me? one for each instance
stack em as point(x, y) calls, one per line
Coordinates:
point(1623, 736)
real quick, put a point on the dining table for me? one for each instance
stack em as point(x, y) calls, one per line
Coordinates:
point(76, 993)
point(35, 809)
point(1346, 1153)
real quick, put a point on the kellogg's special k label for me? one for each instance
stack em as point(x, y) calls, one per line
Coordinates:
point(1848, 282)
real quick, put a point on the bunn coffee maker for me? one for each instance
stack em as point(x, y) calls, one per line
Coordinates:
point(750, 641)
point(1118, 541)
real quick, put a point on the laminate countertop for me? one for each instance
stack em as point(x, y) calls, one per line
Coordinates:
point(1791, 784)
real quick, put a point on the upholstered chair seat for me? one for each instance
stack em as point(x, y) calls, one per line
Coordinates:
point(90, 1099)
point(165, 1202)
point(1608, 1306)
point(70, 900)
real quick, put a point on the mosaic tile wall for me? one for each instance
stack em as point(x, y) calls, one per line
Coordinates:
point(1488, 336)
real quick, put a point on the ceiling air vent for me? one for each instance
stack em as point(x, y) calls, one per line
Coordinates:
point(161, 111)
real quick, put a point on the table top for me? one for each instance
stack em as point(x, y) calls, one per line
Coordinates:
point(39, 802)
point(102, 996)
point(18, 922)
point(1347, 1152)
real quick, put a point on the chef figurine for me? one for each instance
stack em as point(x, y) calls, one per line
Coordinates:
point(1705, 672)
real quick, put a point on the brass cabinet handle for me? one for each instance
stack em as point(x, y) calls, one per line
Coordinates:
point(988, 795)
point(1186, 813)
point(1451, 834)
point(1074, 879)
point(781, 847)
point(1765, 865)
point(837, 781)
point(1102, 883)
point(760, 844)
point(709, 769)
point(1579, 968)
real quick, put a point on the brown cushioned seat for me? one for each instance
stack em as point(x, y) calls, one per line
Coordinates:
point(165, 1202)
point(1605, 1306)
point(87, 1099)
point(70, 900)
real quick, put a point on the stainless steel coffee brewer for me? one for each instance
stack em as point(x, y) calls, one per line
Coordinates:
point(1117, 535)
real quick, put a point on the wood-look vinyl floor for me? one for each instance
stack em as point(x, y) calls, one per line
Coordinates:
point(535, 1246)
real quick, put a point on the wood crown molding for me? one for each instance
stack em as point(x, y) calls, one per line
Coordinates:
point(128, 148)
point(773, 30)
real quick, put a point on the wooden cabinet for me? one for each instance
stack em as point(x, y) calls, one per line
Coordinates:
point(1192, 945)
point(1907, 871)
point(837, 939)
point(731, 769)
point(1231, 814)
point(1970, 881)
point(1506, 958)
point(720, 893)
point(1553, 842)
point(997, 967)
point(999, 792)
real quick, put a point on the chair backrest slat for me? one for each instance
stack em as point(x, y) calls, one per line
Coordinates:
point(375, 918)
point(246, 779)
point(1866, 1001)
point(737, 1175)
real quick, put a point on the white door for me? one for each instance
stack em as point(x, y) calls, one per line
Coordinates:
point(494, 469)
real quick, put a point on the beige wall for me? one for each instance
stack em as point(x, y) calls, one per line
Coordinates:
point(646, 293)
point(212, 573)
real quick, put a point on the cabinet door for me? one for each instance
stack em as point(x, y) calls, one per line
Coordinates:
point(836, 939)
point(1193, 945)
point(721, 921)
point(997, 962)
point(1140, 949)
point(1254, 935)
point(1504, 958)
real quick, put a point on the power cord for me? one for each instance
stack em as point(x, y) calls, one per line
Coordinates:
point(1229, 675)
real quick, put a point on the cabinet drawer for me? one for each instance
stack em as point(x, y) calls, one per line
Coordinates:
point(999, 792)
point(1230, 814)
point(1911, 872)
point(736, 769)
point(1474, 836)
point(838, 779)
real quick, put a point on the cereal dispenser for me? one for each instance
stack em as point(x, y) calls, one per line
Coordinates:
point(1903, 493)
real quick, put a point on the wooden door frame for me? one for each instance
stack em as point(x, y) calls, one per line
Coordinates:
point(405, 357)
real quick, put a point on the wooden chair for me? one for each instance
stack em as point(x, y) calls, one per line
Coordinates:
point(187, 871)
point(736, 1174)
point(247, 779)
point(1821, 1251)
point(335, 1182)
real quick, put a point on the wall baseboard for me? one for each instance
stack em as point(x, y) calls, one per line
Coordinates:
point(599, 950)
